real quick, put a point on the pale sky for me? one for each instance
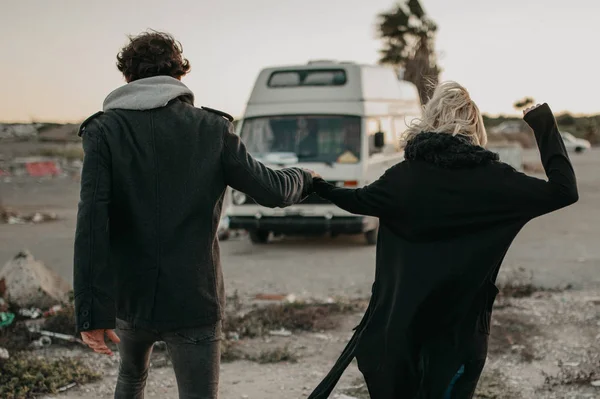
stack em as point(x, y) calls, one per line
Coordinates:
point(57, 57)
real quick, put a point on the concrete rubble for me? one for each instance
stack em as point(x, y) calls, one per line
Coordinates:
point(12, 216)
point(4, 354)
point(31, 284)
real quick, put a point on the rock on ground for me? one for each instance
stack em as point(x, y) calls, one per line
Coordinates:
point(29, 283)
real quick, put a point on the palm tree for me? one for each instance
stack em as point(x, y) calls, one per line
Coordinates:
point(409, 42)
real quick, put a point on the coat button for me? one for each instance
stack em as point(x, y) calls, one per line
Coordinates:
point(86, 325)
point(85, 313)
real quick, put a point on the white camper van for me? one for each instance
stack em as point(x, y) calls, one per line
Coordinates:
point(342, 120)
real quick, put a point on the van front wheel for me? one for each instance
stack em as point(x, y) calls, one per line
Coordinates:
point(259, 237)
point(371, 237)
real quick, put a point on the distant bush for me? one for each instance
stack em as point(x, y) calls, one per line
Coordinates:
point(565, 119)
point(68, 152)
point(23, 377)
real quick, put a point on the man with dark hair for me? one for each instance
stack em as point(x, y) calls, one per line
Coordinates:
point(146, 253)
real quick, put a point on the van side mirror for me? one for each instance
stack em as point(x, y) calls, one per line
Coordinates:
point(379, 140)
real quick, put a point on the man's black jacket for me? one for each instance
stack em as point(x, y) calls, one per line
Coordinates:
point(152, 190)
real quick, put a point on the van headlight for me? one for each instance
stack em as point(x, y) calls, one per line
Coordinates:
point(239, 198)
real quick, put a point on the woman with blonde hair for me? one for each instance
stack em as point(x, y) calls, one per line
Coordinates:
point(448, 214)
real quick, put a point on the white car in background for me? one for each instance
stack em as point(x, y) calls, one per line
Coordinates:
point(572, 143)
point(510, 127)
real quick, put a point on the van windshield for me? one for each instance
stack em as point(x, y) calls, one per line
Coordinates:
point(329, 139)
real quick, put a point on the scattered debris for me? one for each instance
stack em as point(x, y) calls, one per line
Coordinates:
point(31, 313)
point(43, 342)
point(289, 316)
point(13, 217)
point(281, 333)
point(586, 373)
point(31, 284)
point(53, 311)
point(233, 336)
point(50, 334)
point(6, 319)
point(67, 387)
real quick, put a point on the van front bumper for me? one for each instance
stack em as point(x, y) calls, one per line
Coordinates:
point(291, 225)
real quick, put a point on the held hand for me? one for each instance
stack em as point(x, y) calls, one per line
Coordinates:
point(528, 110)
point(95, 340)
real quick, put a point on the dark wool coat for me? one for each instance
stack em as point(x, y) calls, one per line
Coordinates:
point(448, 215)
point(152, 189)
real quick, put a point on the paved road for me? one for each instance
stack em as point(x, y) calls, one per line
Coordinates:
point(560, 248)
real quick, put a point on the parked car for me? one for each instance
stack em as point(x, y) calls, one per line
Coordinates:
point(572, 143)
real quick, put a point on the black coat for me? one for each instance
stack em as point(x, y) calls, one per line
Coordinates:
point(152, 189)
point(448, 215)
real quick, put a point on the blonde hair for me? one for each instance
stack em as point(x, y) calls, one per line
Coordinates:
point(452, 111)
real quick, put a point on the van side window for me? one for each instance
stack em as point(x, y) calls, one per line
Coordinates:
point(385, 124)
point(372, 128)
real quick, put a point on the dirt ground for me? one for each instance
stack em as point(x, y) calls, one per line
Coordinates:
point(549, 335)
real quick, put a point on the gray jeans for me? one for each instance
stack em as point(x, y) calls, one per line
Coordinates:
point(195, 353)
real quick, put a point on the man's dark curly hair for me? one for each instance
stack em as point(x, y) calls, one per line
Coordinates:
point(152, 54)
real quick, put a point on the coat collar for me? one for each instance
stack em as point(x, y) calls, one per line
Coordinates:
point(447, 151)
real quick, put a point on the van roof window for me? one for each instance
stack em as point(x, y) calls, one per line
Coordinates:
point(307, 77)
